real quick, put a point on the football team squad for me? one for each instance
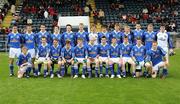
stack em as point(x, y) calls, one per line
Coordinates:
point(119, 53)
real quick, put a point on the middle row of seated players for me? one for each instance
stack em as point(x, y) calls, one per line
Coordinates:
point(92, 53)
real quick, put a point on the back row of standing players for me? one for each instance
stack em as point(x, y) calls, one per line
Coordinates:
point(138, 48)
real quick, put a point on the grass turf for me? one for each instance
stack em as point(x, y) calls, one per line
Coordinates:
point(88, 91)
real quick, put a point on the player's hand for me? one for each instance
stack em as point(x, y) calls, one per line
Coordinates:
point(171, 52)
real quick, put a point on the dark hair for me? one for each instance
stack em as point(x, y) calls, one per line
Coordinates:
point(125, 37)
point(69, 25)
point(103, 37)
point(42, 25)
point(80, 39)
point(56, 39)
point(23, 46)
point(43, 37)
point(104, 26)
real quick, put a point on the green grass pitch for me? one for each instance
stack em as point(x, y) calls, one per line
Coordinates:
point(90, 91)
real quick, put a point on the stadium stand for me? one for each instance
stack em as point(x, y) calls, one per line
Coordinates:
point(143, 11)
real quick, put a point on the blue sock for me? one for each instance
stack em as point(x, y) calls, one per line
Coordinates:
point(51, 71)
point(28, 70)
point(119, 70)
point(101, 69)
point(84, 71)
point(11, 68)
point(76, 70)
point(106, 70)
point(39, 67)
point(134, 73)
point(112, 70)
point(34, 71)
point(124, 73)
point(165, 72)
point(72, 70)
point(96, 71)
point(89, 72)
point(62, 70)
point(45, 70)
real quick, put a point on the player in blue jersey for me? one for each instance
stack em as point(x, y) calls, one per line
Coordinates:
point(114, 54)
point(82, 34)
point(138, 32)
point(127, 32)
point(92, 50)
point(24, 63)
point(54, 58)
point(80, 52)
point(125, 49)
point(43, 33)
point(104, 55)
point(117, 33)
point(69, 35)
point(156, 59)
point(67, 54)
point(104, 33)
point(149, 37)
point(42, 56)
point(57, 35)
point(138, 54)
point(14, 41)
point(29, 42)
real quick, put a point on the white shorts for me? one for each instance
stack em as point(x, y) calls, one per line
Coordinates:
point(115, 60)
point(32, 53)
point(126, 59)
point(94, 61)
point(80, 60)
point(23, 68)
point(157, 66)
point(41, 60)
point(141, 64)
point(103, 59)
point(14, 52)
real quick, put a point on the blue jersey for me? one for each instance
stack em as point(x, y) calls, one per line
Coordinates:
point(84, 35)
point(14, 40)
point(107, 35)
point(43, 51)
point(138, 33)
point(80, 52)
point(148, 38)
point(29, 40)
point(138, 52)
point(57, 36)
point(23, 59)
point(46, 34)
point(69, 36)
point(92, 50)
point(155, 56)
point(130, 37)
point(55, 52)
point(67, 53)
point(125, 49)
point(104, 50)
point(114, 51)
point(117, 35)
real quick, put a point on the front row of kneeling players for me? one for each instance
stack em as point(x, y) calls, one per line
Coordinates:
point(94, 55)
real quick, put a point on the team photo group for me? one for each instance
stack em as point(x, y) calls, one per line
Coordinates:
point(119, 53)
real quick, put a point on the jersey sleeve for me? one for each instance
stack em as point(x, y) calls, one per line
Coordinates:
point(170, 43)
